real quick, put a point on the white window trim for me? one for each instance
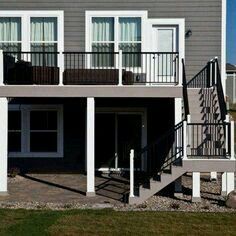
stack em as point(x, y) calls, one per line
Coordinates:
point(116, 15)
point(25, 131)
point(25, 25)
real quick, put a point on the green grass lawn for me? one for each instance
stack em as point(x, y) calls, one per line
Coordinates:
point(109, 222)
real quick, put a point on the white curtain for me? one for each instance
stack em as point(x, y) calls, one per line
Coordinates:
point(10, 29)
point(130, 29)
point(43, 29)
point(102, 29)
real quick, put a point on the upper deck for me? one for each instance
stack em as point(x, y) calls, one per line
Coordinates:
point(84, 74)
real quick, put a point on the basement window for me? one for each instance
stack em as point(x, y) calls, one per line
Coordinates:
point(35, 131)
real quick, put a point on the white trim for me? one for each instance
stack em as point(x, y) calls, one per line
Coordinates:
point(116, 15)
point(223, 44)
point(25, 25)
point(180, 24)
point(25, 131)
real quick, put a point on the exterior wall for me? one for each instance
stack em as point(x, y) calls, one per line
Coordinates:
point(203, 17)
point(74, 130)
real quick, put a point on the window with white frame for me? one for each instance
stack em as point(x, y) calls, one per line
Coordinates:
point(10, 34)
point(41, 31)
point(110, 33)
point(35, 131)
point(43, 38)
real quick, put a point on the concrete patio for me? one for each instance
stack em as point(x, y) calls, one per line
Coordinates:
point(65, 189)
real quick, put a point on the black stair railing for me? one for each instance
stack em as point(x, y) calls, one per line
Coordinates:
point(185, 91)
point(209, 140)
point(202, 78)
point(219, 88)
point(162, 153)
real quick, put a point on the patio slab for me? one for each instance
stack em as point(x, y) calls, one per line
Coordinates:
point(65, 189)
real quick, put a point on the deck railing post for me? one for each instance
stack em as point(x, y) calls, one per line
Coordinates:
point(1, 68)
point(120, 68)
point(227, 132)
point(232, 157)
point(61, 67)
point(185, 142)
point(131, 173)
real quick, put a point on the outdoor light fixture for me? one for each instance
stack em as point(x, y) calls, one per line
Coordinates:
point(188, 33)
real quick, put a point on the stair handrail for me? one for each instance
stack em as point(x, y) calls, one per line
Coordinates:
point(185, 92)
point(166, 136)
point(176, 152)
point(219, 88)
point(202, 78)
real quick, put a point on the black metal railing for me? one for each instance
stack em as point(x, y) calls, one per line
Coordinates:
point(185, 91)
point(152, 67)
point(92, 68)
point(161, 154)
point(202, 79)
point(208, 140)
point(31, 68)
point(220, 92)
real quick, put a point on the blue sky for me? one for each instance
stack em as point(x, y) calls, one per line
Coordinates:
point(231, 32)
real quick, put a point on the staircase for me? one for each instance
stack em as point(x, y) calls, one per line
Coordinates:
point(207, 134)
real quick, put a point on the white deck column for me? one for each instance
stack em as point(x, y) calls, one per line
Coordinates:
point(228, 183)
point(213, 176)
point(90, 147)
point(3, 145)
point(223, 184)
point(196, 195)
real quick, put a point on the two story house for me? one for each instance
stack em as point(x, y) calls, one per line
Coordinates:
point(116, 86)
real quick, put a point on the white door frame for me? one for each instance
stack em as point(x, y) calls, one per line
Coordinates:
point(155, 30)
point(180, 24)
point(127, 111)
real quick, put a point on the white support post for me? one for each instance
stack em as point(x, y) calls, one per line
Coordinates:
point(3, 145)
point(90, 139)
point(213, 176)
point(228, 183)
point(223, 184)
point(196, 195)
point(232, 157)
point(131, 194)
point(61, 67)
point(226, 135)
point(1, 68)
point(185, 140)
point(120, 67)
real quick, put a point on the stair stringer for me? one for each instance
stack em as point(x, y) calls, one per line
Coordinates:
point(156, 186)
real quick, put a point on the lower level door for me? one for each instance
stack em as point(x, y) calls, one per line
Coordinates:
point(129, 137)
point(104, 140)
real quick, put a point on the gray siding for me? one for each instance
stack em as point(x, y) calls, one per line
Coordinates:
point(203, 17)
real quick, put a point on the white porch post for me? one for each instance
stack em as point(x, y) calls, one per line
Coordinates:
point(223, 184)
point(3, 145)
point(196, 195)
point(228, 183)
point(90, 139)
point(213, 176)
